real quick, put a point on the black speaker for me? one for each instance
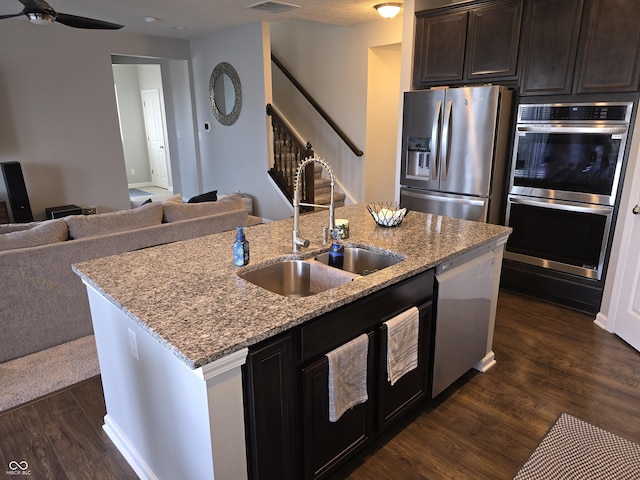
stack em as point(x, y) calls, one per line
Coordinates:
point(17, 192)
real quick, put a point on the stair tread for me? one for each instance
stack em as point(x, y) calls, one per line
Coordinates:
point(325, 199)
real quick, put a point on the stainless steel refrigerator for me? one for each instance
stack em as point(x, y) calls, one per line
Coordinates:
point(454, 151)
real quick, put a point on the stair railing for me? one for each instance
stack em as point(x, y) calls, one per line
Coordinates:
point(289, 151)
point(345, 138)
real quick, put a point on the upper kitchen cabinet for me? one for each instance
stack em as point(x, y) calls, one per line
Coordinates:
point(609, 60)
point(439, 49)
point(467, 43)
point(550, 41)
point(580, 46)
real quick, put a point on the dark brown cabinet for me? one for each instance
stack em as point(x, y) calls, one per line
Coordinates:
point(580, 46)
point(493, 40)
point(439, 48)
point(551, 39)
point(289, 435)
point(477, 43)
point(610, 54)
point(271, 397)
point(327, 443)
point(394, 400)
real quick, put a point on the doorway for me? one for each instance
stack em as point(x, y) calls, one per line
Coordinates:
point(143, 128)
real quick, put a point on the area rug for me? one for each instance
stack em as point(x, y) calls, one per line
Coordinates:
point(575, 449)
point(136, 193)
point(32, 376)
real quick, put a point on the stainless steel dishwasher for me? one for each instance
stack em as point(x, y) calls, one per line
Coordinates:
point(465, 288)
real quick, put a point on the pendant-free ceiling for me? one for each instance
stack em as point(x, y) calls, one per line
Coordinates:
point(388, 10)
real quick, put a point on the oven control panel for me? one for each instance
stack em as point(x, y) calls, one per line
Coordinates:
point(605, 112)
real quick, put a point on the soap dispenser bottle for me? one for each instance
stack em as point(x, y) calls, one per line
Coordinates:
point(240, 249)
point(336, 254)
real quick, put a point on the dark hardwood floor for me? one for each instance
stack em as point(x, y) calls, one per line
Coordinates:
point(550, 360)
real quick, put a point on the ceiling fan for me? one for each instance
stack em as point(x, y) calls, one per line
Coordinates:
point(40, 12)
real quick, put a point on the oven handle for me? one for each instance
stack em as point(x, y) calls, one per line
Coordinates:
point(573, 129)
point(560, 205)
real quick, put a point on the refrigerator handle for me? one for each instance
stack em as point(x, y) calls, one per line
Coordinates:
point(444, 143)
point(435, 141)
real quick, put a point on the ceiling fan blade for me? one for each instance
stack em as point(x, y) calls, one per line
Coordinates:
point(11, 15)
point(83, 22)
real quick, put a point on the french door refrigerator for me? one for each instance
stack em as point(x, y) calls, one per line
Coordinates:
point(454, 150)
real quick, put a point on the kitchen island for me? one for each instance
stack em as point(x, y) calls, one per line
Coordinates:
point(174, 324)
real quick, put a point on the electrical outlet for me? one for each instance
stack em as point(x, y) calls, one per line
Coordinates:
point(133, 344)
point(133, 171)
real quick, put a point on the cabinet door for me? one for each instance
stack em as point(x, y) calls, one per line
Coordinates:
point(610, 58)
point(493, 40)
point(439, 48)
point(270, 406)
point(327, 444)
point(394, 400)
point(551, 32)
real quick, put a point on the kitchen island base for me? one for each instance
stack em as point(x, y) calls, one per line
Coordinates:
point(205, 373)
point(167, 420)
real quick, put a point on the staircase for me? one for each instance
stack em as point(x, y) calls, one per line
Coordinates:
point(322, 189)
point(289, 152)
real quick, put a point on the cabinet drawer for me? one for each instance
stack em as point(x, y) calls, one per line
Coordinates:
point(334, 328)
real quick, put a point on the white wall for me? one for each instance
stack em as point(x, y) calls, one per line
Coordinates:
point(624, 224)
point(59, 117)
point(383, 114)
point(332, 63)
point(236, 157)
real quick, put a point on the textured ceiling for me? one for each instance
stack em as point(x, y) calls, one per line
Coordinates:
point(198, 17)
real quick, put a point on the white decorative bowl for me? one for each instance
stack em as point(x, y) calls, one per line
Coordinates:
point(387, 215)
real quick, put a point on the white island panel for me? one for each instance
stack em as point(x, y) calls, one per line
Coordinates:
point(168, 420)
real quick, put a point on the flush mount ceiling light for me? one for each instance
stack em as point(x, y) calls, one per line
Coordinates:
point(388, 10)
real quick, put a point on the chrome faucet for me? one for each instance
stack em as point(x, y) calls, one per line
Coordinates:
point(296, 240)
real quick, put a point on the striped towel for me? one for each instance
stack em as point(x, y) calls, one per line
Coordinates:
point(347, 376)
point(402, 344)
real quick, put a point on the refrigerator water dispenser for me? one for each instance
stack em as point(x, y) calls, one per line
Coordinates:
point(418, 157)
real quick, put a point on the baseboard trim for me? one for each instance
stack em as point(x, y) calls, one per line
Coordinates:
point(486, 363)
point(127, 450)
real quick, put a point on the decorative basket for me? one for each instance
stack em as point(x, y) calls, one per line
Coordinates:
point(387, 214)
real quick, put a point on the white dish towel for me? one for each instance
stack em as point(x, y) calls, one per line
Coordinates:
point(402, 344)
point(347, 376)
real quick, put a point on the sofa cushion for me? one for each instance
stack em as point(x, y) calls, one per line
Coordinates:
point(51, 231)
point(16, 227)
point(81, 226)
point(211, 196)
point(176, 211)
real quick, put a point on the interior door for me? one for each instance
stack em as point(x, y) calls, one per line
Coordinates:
point(154, 125)
point(627, 312)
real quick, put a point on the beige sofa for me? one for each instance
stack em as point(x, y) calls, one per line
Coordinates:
point(43, 303)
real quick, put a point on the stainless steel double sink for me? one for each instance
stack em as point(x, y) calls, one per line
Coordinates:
point(301, 278)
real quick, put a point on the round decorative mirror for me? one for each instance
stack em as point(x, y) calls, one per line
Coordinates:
point(225, 93)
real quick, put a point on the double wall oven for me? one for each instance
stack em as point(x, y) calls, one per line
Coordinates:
point(568, 161)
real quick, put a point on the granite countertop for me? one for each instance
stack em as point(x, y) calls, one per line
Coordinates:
point(189, 297)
